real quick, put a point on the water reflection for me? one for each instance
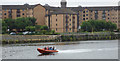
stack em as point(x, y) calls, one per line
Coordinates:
point(47, 54)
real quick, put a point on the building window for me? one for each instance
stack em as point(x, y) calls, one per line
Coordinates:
point(108, 18)
point(23, 14)
point(56, 29)
point(86, 18)
point(4, 13)
point(70, 29)
point(96, 11)
point(83, 15)
point(67, 17)
point(4, 9)
point(83, 11)
point(83, 18)
point(56, 24)
point(73, 17)
point(87, 11)
point(18, 10)
point(18, 15)
point(86, 14)
point(56, 19)
point(104, 12)
point(91, 18)
point(70, 24)
point(56, 14)
point(108, 14)
point(70, 19)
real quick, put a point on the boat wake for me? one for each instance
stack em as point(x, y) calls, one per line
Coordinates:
point(74, 51)
point(84, 50)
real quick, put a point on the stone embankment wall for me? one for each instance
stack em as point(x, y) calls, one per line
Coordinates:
point(89, 37)
point(11, 39)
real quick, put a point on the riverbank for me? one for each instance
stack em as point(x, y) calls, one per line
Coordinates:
point(13, 39)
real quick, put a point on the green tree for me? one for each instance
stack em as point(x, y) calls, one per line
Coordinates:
point(44, 27)
point(10, 24)
point(21, 23)
point(37, 27)
point(4, 26)
point(30, 28)
point(98, 25)
point(86, 26)
point(32, 19)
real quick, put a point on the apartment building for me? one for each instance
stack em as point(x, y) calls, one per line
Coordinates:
point(0, 11)
point(26, 10)
point(62, 19)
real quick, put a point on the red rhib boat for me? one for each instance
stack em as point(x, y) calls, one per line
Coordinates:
point(43, 51)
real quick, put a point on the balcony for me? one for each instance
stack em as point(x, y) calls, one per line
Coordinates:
point(18, 11)
point(73, 27)
point(67, 17)
point(103, 13)
point(73, 17)
point(66, 21)
point(67, 27)
point(73, 21)
point(18, 15)
point(9, 11)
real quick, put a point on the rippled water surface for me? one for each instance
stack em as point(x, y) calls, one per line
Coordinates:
point(101, 49)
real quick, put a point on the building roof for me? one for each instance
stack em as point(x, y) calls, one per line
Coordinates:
point(25, 6)
point(52, 8)
point(102, 8)
point(93, 8)
point(63, 11)
point(76, 9)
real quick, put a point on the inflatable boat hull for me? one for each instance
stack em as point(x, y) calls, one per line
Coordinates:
point(46, 51)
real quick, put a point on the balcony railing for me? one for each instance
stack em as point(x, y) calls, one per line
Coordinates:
point(73, 21)
point(73, 27)
point(67, 26)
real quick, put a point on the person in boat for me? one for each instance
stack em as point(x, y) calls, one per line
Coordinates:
point(53, 48)
point(45, 48)
point(50, 48)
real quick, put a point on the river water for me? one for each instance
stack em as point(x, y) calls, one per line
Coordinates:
point(100, 49)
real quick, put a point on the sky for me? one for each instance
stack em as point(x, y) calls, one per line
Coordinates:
point(56, 3)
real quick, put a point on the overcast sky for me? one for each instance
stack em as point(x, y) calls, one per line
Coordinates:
point(73, 3)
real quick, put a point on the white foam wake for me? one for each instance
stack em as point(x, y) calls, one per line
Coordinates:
point(84, 50)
